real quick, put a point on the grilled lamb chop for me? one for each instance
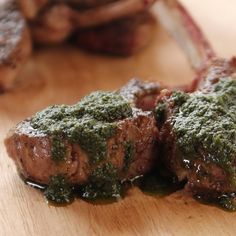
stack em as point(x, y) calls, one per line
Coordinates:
point(198, 132)
point(30, 8)
point(87, 13)
point(54, 21)
point(104, 133)
point(123, 37)
point(15, 43)
point(197, 129)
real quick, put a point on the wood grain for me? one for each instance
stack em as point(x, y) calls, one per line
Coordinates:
point(64, 75)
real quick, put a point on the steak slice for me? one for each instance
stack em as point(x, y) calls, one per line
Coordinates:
point(197, 132)
point(31, 151)
point(30, 8)
point(142, 95)
point(131, 150)
point(15, 43)
point(121, 37)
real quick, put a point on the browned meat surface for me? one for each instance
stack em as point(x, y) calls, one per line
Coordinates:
point(217, 69)
point(209, 170)
point(84, 4)
point(30, 8)
point(53, 25)
point(100, 23)
point(31, 149)
point(142, 95)
point(15, 43)
point(122, 37)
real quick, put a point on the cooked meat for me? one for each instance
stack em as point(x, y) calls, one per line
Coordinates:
point(218, 68)
point(122, 37)
point(130, 147)
point(53, 26)
point(110, 12)
point(15, 43)
point(85, 4)
point(197, 131)
point(30, 8)
point(31, 151)
point(140, 94)
point(56, 21)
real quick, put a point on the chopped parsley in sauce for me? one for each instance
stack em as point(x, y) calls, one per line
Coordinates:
point(206, 123)
point(90, 123)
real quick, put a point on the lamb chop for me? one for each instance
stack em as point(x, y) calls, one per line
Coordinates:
point(30, 8)
point(123, 37)
point(197, 129)
point(92, 14)
point(15, 43)
point(96, 143)
point(194, 129)
point(95, 23)
point(54, 21)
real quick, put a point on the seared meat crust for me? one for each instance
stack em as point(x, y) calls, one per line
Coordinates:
point(123, 37)
point(31, 150)
point(204, 177)
point(15, 43)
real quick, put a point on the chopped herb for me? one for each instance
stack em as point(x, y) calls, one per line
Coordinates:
point(103, 183)
point(129, 154)
point(59, 191)
point(159, 112)
point(90, 123)
point(206, 123)
point(58, 148)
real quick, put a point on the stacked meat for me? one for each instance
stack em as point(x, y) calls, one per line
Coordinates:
point(197, 132)
point(114, 27)
point(188, 134)
point(15, 43)
point(197, 129)
point(121, 27)
point(31, 148)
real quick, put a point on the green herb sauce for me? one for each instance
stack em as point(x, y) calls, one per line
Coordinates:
point(103, 183)
point(157, 185)
point(177, 98)
point(160, 113)
point(58, 151)
point(129, 154)
point(206, 123)
point(225, 202)
point(59, 191)
point(90, 123)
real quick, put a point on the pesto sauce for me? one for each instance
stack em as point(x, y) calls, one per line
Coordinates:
point(177, 98)
point(159, 112)
point(58, 151)
point(129, 154)
point(106, 106)
point(90, 123)
point(103, 183)
point(225, 202)
point(59, 191)
point(156, 185)
point(206, 123)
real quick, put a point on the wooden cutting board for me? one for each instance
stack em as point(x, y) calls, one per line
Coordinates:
point(64, 75)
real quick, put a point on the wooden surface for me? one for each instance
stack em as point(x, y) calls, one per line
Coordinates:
point(64, 75)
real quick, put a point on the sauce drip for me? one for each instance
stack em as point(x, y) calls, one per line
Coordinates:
point(150, 184)
point(225, 202)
